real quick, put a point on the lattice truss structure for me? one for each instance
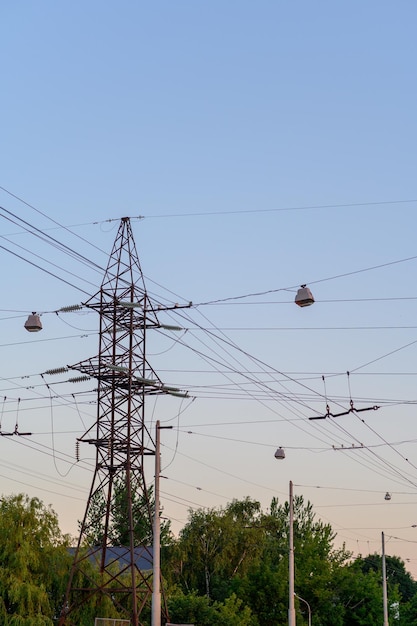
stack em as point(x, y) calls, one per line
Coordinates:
point(122, 441)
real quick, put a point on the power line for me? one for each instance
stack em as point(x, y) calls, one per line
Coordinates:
point(37, 232)
point(50, 219)
point(282, 209)
point(44, 270)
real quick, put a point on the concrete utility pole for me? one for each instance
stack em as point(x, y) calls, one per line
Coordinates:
point(384, 583)
point(156, 594)
point(291, 606)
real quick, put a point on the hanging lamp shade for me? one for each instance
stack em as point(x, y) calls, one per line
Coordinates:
point(387, 496)
point(33, 323)
point(304, 296)
point(280, 454)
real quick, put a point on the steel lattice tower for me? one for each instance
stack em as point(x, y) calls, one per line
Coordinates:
point(121, 440)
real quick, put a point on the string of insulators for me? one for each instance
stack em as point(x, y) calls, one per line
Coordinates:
point(131, 305)
point(78, 379)
point(71, 307)
point(169, 327)
point(58, 370)
point(118, 368)
point(77, 450)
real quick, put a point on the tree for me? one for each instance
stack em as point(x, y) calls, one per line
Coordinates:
point(216, 545)
point(397, 575)
point(408, 612)
point(265, 587)
point(199, 610)
point(358, 595)
point(118, 533)
point(34, 559)
point(241, 550)
point(401, 588)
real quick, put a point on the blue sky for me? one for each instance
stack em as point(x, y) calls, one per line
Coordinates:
point(264, 145)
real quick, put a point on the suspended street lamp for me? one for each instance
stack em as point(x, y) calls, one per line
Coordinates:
point(33, 323)
point(280, 454)
point(304, 296)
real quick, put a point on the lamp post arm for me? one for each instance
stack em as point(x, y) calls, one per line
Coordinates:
point(308, 607)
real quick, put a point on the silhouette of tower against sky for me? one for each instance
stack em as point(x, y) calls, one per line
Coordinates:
point(117, 580)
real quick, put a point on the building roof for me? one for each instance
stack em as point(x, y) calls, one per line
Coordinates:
point(143, 556)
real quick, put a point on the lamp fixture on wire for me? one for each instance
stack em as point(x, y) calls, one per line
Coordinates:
point(304, 297)
point(33, 323)
point(280, 454)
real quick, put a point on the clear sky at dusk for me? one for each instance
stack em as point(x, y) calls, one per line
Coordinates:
point(256, 146)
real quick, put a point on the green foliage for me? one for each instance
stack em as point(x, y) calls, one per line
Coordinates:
point(265, 591)
point(402, 589)
point(408, 612)
point(200, 611)
point(99, 604)
point(359, 596)
point(33, 558)
point(239, 549)
point(397, 575)
point(118, 532)
point(232, 612)
point(215, 546)
point(229, 567)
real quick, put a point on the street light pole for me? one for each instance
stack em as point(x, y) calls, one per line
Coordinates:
point(291, 607)
point(384, 583)
point(156, 556)
point(308, 607)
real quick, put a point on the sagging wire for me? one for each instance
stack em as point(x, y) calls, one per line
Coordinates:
point(180, 411)
point(63, 475)
point(174, 343)
point(78, 411)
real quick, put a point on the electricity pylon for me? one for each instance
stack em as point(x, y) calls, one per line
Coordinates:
point(120, 584)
